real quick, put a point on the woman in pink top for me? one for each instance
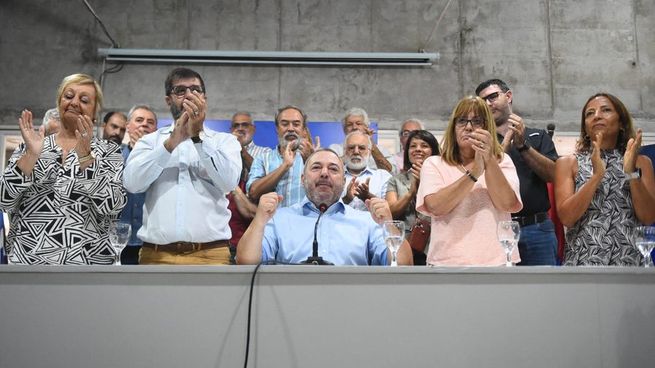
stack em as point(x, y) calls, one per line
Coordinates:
point(468, 189)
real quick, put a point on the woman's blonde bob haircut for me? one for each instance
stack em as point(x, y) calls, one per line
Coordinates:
point(449, 148)
point(81, 79)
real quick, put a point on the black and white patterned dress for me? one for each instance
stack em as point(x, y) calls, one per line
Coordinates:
point(603, 235)
point(59, 214)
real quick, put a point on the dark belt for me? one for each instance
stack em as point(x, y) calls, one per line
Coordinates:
point(187, 246)
point(531, 219)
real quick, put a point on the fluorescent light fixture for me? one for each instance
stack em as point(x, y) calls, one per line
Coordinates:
point(163, 56)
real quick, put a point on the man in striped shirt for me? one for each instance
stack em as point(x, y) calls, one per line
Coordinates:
point(280, 170)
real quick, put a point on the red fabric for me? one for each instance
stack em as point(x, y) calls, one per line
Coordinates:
point(238, 224)
point(559, 228)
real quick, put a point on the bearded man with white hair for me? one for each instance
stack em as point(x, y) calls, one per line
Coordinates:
point(362, 182)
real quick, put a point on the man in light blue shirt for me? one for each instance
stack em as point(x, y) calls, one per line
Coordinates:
point(362, 182)
point(345, 236)
point(280, 170)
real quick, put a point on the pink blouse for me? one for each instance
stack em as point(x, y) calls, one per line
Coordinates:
point(467, 235)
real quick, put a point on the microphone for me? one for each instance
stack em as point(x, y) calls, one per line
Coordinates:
point(315, 259)
point(550, 129)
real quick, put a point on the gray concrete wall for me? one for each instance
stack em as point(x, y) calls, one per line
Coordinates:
point(553, 53)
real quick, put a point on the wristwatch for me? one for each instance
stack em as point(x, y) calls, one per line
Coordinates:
point(633, 175)
point(196, 139)
point(526, 146)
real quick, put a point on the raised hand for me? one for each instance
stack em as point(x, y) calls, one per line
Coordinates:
point(350, 190)
point(483, 150)
point(631, 153)
point(517, 128)
point(507, 140)
point(33, 139)
point(362, 191)
point(306, 148)
point(597, 162)
point(180, 132)
point(267, 206)
point(83, 133)
point(415, 176)
point(196, 108)
point(135, 133)
point(379, 209)
point(289, 154)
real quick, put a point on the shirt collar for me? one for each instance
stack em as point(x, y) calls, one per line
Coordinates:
point(366, 170)
point(307, 207)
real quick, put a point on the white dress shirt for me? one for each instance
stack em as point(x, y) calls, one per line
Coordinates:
point(377, 186)
point(185, 189)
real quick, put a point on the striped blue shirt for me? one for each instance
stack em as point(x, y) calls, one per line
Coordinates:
point(289, 186)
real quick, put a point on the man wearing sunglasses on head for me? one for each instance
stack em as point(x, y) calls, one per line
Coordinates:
point(534, 155)
point(185, 170)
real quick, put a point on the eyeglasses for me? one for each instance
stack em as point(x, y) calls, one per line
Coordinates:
point(476, 122)
point(492, 96)
point(405, 133)
point(180, 91)
point(244, 125)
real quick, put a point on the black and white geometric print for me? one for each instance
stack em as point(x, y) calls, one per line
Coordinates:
point(59, 214)
point(603, 235)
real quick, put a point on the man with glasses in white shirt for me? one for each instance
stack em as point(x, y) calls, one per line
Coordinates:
point(186, 170)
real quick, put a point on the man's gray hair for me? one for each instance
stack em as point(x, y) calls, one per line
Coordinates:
point(244, 113)
point(356, 132)
point(410, 120)
point(140, 107)
point(356, 111)
point(50, 114)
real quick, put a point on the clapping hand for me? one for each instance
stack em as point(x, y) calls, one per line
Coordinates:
point(415, 176)
point(196, 108)
point(350, 190)
point(33, 139)
point(362, 190)
point(597, 162)
point(631, 153)
point(84, 134)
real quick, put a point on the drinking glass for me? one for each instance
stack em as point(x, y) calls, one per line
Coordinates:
point(119, 235)
point(509, 233)
point(645, 241)
point(394, 234)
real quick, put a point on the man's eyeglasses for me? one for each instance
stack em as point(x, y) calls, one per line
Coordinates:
point(405, 133)
point(244, 125)
point(180, 91)
point(476, 122)
point(492, 96)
